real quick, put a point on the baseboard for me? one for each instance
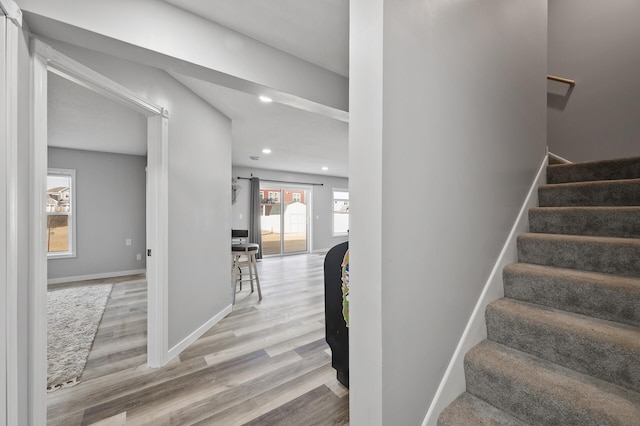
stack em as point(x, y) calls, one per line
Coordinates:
point(453, 382)
point(184, 344)
point(95, 276)
point(558, 158)
point(321, 251)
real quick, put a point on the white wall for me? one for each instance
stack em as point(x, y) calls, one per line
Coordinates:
point(321, 202)
point(448, 119)
point(199, 175)
point(596, 44)
point(110, 208)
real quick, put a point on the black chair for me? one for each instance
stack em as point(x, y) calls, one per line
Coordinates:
point(239, 236)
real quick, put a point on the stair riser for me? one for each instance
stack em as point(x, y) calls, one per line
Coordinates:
point(470, 410)
point(623, 222)
point(617, 301)
point(601, 170)
point(616, 193)
point(587, 255)
point(580, 350)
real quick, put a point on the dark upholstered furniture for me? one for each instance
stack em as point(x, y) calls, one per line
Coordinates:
point(337, 333)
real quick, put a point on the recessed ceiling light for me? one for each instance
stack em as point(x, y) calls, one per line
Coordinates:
point(266, 151)
point(265, 99)
point(325, 168)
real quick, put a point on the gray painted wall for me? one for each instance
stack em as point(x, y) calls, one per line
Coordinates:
point(596, 44)
point(447, 132)
point(322, 202)
point(199, 177)
point(110, 208)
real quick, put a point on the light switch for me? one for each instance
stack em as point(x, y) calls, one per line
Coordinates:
point(127, 242)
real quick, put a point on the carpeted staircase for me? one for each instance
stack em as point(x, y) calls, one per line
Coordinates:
point(563, 345)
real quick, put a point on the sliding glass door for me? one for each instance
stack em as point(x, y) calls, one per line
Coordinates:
point(284, 218)
point(270, 219)
point(295, 220)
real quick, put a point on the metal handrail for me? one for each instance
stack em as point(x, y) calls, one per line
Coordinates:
point(561, 80)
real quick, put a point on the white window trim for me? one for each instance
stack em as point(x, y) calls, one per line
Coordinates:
point(72, 252)
point(333, 200)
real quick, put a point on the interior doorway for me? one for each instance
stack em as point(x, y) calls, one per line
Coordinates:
point(96, 221)
point(284, 218)
point(46, 60)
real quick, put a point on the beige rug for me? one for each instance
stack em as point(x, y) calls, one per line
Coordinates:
point(73, 317)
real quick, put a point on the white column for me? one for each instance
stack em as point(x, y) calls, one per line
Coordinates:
point(365, 221)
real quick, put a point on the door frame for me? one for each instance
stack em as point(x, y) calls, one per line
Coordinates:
point(10, 29)
point(46, 59)
point(4, 220)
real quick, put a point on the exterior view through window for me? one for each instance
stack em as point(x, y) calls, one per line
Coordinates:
point(60, 213)
point(340, 212)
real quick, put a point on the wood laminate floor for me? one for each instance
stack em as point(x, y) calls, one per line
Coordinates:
point(266, 363)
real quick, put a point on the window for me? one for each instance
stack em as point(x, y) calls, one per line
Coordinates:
point(274, 197)
point(340, 212)
point(297, 197)
point(61, 229)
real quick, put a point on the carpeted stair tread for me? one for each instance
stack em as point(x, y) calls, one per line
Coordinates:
point(625, 168)
point(607, 255)
point(603, 349)
point(600, 193)
point(540, 392)
point(621, 222)
point(470, 410)
point(605, 296)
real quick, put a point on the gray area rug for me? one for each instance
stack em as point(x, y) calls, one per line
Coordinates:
point(73, 316)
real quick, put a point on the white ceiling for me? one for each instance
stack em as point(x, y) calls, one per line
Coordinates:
point(80, 119)
point(314, 30)
point(300, 141)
